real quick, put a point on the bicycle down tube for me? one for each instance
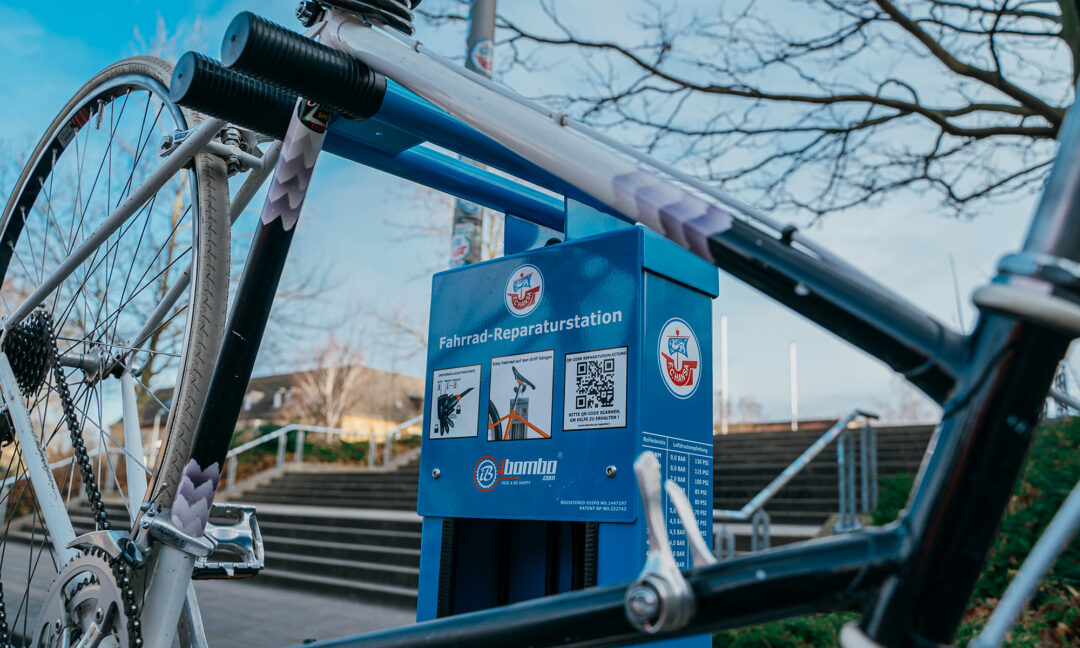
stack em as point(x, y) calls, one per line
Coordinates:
point(910, 579)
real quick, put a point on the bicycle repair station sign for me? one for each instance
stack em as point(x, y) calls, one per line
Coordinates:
point(550, 370)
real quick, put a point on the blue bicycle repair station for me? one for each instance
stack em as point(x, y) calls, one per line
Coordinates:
point(549, 370)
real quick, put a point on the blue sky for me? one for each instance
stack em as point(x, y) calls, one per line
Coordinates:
point(47, 50)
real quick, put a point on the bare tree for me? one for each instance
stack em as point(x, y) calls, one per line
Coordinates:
point(749, 409)
point(824, 105)
point(906, 405)
point(336, 384)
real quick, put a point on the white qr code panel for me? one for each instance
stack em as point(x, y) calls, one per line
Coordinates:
point(594, 395)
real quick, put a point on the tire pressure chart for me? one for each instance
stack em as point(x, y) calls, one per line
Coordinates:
point(688, 464)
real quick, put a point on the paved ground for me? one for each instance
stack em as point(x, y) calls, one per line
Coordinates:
point(240, 612)
point(244, 613)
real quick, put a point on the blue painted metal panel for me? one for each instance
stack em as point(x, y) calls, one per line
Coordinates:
point(666, 330)
point(427, 601)
point(673, 262)
point(590, 300)
point(520, 235)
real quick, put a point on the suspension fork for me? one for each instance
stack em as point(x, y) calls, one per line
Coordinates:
point(186, 507)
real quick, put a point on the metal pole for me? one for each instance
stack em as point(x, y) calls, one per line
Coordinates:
point(281, 449)
point(723, 376)
point(873, 465)
point(850, 452)
point(466, 242)
point(841, 465)
point(864, 466)
point(794, 388)
point(372, 449)
point(230, 474)
point(298, 457)
point(389, 443)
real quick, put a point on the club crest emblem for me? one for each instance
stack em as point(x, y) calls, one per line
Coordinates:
point(679, 358)
point(524, 290)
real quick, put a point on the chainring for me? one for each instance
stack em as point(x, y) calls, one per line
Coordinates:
point(84, 593)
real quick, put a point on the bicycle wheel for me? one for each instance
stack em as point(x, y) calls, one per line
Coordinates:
point(103, 144)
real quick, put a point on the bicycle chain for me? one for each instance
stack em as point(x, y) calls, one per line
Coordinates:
point(34, 342)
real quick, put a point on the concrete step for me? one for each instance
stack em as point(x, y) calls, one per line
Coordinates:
point(285, 532)
point(351, 552)
point(366, 572)
point(362, 591)
point(301, 499)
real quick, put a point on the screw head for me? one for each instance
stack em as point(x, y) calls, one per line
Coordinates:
point(436, 473)
point(610, 471)
point(99, 615)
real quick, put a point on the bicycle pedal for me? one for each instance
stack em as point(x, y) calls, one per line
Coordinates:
point(238, 544)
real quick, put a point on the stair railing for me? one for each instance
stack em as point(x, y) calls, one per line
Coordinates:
point(282, 434)
point(754, 510)
point(67, 462)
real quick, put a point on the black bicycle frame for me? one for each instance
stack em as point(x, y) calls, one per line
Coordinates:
point(912, 579)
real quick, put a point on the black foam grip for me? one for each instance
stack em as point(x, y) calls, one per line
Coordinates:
point(288, 60)
point(201, 83)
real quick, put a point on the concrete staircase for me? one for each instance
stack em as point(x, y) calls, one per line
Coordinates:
point(393, 489)
point(343, 531)
point(746, 463)
point(358, 553)
point(354, 532)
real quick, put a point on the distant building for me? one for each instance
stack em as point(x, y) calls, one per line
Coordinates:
point(810, 425)
point(378, 400)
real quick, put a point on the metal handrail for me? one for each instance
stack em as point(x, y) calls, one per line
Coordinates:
point(753, 511)
point(281, 434)
point(53, 466)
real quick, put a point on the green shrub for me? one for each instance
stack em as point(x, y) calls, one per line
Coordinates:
point(800, 632)
point(893, 491)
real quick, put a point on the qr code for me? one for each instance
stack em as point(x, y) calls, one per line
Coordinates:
point(595, 384)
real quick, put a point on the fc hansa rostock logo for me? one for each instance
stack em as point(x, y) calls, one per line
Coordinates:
point(679, 357)
point(524, 290)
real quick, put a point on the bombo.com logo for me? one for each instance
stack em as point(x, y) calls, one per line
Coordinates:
point(490, 472)
point(486, 474)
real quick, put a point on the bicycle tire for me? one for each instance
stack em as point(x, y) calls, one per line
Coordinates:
point(204, 186)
